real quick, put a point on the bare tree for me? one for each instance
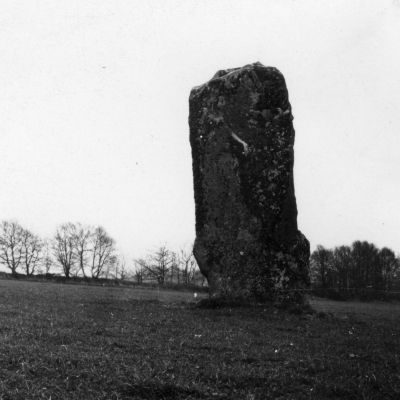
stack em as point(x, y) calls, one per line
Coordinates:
point(31, 251)
point(389, 265)
point(159, 264)
point(82, 238)
point(174, 270)
point(121, 272)
point(103, 248)
point(46, 260)
point(111, 268)
point(116, 268)
point(140, 268)
point(11, 245)
point(188, 265)
point(64, 248)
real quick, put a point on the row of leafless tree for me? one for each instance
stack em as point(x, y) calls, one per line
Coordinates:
point(90, 251)
point(87, 251)
point(77, 249)
point(165, 266)
point(19, 248)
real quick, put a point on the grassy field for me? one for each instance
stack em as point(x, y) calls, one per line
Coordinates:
point(79, 342)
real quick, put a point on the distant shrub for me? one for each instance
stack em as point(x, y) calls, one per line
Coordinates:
point(356, 294)
point(332, 294)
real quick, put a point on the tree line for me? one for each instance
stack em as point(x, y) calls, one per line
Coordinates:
point(89, 252)
point(75, 249)
point(165, 266)
point(359, 266)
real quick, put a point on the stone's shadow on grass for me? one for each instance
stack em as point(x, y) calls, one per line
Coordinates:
point(220, 303)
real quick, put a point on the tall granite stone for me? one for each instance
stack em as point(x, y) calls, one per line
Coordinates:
point(241, 133)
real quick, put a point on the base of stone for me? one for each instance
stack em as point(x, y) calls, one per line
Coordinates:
point(213, 303)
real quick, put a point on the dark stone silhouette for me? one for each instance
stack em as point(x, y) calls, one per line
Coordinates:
point(241, 133)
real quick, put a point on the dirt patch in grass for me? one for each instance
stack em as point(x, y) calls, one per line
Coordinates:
point(76, 342)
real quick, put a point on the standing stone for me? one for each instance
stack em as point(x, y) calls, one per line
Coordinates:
point(241, 133)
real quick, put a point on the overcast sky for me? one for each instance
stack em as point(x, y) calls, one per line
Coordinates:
point(94, 110)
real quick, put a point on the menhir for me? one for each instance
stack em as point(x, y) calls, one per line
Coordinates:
point(241, 133)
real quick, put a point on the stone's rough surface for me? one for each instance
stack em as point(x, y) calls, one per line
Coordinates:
point(241, 133)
